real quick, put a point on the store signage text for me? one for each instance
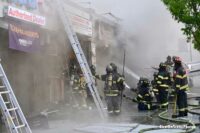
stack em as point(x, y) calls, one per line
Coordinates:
point(26, 16)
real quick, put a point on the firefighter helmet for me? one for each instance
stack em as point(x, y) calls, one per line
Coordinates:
point(93, 68)
point(169, 57)
point(173, 58)
point(177, 59)
point(109, 69)
point(144, 82)
point(114, 67)
point(162, 65)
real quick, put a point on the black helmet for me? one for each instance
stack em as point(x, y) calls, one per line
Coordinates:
point(109, 69)
point(114, 67)
point(93, 68)
point(169, 57)
point(162, 65)
point(174, 58)
point(144, 81)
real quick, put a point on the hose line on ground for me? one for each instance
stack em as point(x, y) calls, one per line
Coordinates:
point(163, 116)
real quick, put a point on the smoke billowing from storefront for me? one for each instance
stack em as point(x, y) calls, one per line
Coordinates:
point(148, 34)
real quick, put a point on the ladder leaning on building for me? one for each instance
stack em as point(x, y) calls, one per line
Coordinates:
point(12, 114)
point(80, 57)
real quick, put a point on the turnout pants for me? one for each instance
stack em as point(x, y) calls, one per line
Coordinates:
point(113, 104)
point(163, 97)
point(156, 92)
point(79, 98)
point(182, 103)
point(146, 106)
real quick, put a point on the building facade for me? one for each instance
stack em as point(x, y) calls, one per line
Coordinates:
point(35, 50)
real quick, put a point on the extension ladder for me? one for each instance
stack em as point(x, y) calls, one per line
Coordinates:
point(11, 112)
point(80, 57)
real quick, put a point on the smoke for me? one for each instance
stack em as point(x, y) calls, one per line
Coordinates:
point(148, 33)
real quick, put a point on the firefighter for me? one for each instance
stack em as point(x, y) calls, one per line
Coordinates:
point(163, 84)
point(121, 84)
point(155, 86)
point(181, 86)
point(145, 96)
point(111, 90)
point(121, 77)
point(79, 90)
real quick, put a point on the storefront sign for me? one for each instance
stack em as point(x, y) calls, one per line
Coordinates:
point(26, 16)
point(24, 38)
point(81, 25)
point(80, 20)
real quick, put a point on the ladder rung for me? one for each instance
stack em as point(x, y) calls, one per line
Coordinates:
point(20, 126)
point(12, 109)
point(1, 87)
point(7, 102)
point(13, 118)
point(4, 92)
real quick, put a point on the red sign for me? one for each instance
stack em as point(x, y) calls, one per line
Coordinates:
point(26, 16)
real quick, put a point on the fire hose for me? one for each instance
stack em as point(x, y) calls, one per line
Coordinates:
point(162, 115)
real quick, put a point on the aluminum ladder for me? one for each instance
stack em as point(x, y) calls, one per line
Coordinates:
point(13, 116)
point(80, 57)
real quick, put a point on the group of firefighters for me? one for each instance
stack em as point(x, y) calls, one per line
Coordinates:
point(114, 85)
point(171, 79)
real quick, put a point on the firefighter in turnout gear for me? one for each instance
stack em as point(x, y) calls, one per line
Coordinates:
point(79, 90)
point(111, 89)
point(163, 84)
point(145, 96)
point(120, 85)
point(155, 86)
point(181, 86)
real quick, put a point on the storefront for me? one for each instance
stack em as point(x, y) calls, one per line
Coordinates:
point(35, 56)
point(31, 59)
